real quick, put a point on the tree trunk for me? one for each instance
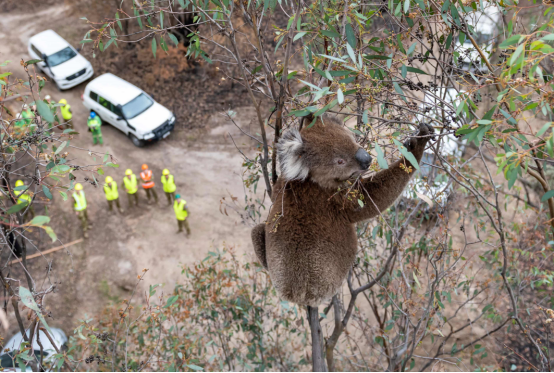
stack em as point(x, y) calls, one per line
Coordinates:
point(318, 360)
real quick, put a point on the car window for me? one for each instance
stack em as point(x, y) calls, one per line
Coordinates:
point(93, 96)
point(137, 106)
point(38, 53)
point(107, 104)
point(60, 57)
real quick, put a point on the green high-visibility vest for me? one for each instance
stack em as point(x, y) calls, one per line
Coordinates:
point(179, 208)
point(66, 114)
point(131, 184)
point(111, 191)
point(169, 184)
point(80, 201)
point(94, 122)
point(28, 116)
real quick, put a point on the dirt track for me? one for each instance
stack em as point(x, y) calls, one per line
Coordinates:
point(120, 246)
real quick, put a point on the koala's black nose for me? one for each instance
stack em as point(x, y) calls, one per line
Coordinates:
point(363, 158)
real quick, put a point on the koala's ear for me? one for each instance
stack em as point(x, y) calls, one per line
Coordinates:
point(290, 149)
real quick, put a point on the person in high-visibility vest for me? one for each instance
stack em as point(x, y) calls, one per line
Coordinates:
point(130, 184)
point(181, 213)
point(112, 195)
point(27, 115)
point(148, 183)
point(94, 122)
point(80, 207)
point(67, 114)
point(169, 186)
point(24, 197)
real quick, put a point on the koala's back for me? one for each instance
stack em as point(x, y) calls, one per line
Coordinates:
point(310, 245)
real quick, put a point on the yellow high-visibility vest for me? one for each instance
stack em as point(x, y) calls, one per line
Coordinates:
point(21, 198)
point(111, 191)
point(80, 201)
point(66, 114)
point(169, 184)
point(179, 208)
point(131, 184)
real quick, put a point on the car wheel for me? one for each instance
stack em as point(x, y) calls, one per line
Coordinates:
point(136, 141)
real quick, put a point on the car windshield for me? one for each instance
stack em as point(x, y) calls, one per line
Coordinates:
point(60, 57)
point(136, 106)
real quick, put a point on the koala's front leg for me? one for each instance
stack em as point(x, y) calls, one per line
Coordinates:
point(258, 240)
point(386, 186)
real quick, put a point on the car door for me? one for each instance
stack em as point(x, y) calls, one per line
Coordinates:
point(37, 54)
point(105, 110)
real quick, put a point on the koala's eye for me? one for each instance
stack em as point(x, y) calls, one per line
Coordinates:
point(340, 161)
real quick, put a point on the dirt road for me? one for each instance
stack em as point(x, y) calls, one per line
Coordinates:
point(120, 246)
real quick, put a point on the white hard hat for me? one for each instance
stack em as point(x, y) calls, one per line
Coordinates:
point(47, 97)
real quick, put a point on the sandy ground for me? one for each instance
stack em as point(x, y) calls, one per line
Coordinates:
point(206, 165)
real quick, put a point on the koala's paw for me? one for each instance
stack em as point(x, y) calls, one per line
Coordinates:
point(426, 133)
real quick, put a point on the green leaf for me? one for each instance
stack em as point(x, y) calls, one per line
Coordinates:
point(399, 90)
point(51, 233)
point(376, 57)
point(194, 367)
point(63, 145)
point(64, 195)
point(406, 6)
point(516, 54)
point(29, 301)
point(415, 70)
point(411, 49)
point(62, 168)
point(171, 300)
point(548, 37)
point(173, 39)
point(544, 128)
point(40, 220)
point(365, 117)
point(299, 35)
point(547, 195)
point(44, 111)
point(361, 203)
point(340, 96)
point(350, 35)
point(381, 157)
point(46, 192)
point(16, 208)
point(409, 156)
point(154, 46)
point(32, 62)
point(404, 71)
point(351, 53)
point(330, 34)
point(510, 41)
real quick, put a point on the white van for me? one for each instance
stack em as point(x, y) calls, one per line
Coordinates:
point(485, 24)
point(129, 109)
point(60, 61)
point(439, 189)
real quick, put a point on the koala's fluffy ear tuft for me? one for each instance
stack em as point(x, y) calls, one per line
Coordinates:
point(290, 149)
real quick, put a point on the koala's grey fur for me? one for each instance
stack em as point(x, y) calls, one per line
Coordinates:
point(308, 243)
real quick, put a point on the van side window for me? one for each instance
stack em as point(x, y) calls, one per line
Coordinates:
point(107, 104)
point(38, 53)
point(93, 96)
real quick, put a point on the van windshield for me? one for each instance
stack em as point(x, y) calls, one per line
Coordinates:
point(60, 57)
point(136, 106)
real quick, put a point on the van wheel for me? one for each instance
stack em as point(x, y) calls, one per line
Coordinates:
point(138, 143)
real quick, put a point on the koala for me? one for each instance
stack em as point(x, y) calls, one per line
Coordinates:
point(308, 243)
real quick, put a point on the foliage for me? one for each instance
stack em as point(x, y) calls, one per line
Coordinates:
point(225, 315)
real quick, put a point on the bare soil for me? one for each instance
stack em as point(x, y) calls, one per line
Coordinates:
point(200, 153)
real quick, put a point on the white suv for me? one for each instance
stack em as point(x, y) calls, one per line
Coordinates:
point(60, 61)
point(128, 108)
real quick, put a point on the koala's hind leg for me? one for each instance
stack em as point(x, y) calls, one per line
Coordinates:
point(258, 239)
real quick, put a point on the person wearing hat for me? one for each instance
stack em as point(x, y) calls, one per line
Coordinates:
point(181, 213)
point(148, 183)
point(23, 197)
point(80, 207)
point(112, 195)
point(130, 184)
point(94, 124)
point(27, 115)
point(168, 183)
point(67, 114)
